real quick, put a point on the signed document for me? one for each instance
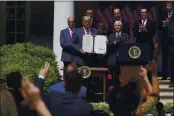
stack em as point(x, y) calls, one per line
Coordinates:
point(100, 45)
point(87, 43)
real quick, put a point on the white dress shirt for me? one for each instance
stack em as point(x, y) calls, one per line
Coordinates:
point(71, 31)
point(86, 31)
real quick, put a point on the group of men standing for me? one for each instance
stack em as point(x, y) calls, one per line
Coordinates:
point(119, 31)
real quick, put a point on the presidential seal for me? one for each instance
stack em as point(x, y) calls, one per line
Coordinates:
point(85, 71)
point(134, 52)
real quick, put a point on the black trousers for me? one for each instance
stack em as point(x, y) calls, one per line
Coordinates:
point(165, 59)
point(115, 71)
point(171, 61)
point(66, 63)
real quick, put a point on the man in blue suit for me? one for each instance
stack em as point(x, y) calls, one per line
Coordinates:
point(82, 57)
point(60, 86)
point(68, 103)
point(114, 40)
point(65, 42)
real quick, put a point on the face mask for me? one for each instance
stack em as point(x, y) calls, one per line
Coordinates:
point(169, 10)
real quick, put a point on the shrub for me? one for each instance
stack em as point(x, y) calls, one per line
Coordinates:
point(28, 59)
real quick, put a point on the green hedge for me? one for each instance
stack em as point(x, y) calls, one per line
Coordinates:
point(102, 106)
point(28, 59)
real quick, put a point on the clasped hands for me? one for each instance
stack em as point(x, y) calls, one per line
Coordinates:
point(142, 28)
point(166, 22)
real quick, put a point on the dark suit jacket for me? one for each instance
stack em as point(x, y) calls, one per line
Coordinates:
point(171, 34)
point(60, 87)
point(65, 42)
point(125, 28)
point(112, 47)
point(94, 23)
point(64, 104)
point(145, 37)
point(80, 59)
point(165, 39)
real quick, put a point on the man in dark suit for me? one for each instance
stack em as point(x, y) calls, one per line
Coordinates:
point(89, 12)
point(60, 86)
point(171, 51)
point(64, 104)
point(166, 40)
point(82, 57)
point(65, 42)
point(144, 30)
point(117, 17)
point(113, 42)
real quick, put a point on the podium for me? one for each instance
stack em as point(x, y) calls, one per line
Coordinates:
point(131, 57)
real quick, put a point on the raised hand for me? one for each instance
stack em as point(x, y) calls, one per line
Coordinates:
point(29, 91)
point(143, 72)
point(44, 71)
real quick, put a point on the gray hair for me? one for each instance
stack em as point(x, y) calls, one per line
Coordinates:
point(117, 22)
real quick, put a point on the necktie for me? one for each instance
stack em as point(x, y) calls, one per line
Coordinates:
point(169, 16)
point(143, 24)
point(87, 31)
point(72, 33)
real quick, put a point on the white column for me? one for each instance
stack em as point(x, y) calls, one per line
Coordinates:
point(62, 10)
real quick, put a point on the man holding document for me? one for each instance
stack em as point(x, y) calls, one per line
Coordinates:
point(81, 35)
point(113, 42)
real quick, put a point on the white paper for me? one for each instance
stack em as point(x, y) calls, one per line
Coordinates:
point(100, 46)
point(87, 43)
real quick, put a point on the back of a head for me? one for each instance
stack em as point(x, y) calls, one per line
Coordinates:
point(14, 80)
point(73, 81)
point(159, 106)
point(7, 103)
point(123, 101)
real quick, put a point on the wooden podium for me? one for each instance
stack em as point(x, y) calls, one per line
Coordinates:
point(99, 72)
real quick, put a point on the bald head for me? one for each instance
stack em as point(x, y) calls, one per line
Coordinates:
point(70, 22)
point(117, 13)
point(86, 21)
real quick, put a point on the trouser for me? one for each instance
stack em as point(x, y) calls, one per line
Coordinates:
point(165, 59)
point(115, 71)
point(66, 63)
point(172, 66)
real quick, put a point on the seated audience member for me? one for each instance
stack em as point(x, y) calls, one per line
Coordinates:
point(68, 103)
point(7, 103)
point(123, 101)
point(60, 86)
point(65, 42)
point(160, 109)
point(14, 86)
point(32, 95)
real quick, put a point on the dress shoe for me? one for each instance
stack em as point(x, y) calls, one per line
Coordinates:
point(164, 78)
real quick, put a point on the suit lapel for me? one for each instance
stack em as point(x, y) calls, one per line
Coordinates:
point(67, 33)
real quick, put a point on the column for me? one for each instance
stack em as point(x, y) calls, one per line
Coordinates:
point(62, 10)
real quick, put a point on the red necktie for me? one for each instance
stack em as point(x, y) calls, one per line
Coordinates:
point(87, 31)
point(72, 33)
point(169, 16)
point(143, 24)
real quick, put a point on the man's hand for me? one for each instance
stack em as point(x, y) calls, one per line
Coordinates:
point(83, 52)
point(30, 92)
point(44, 71)
point(143, 72)
point(142, 28)
point(165, 23)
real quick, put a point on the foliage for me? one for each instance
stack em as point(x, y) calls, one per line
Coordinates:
point(104, 107)
point(28, 59)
